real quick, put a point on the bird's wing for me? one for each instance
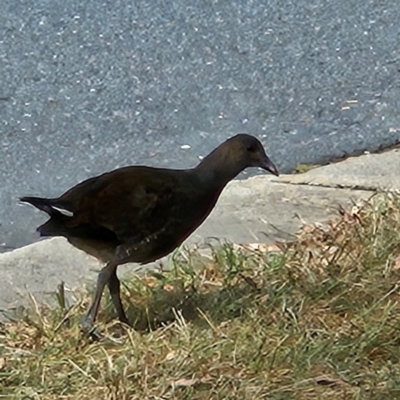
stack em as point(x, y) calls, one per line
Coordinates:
point(135, 203)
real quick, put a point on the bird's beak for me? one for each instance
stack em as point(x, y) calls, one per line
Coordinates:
point(268, 165)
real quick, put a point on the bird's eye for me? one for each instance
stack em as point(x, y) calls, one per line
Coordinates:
point(252, 149)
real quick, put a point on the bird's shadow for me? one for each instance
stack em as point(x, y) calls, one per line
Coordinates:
point(200, 289)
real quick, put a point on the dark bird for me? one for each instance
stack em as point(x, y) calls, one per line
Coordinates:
point(140, 214)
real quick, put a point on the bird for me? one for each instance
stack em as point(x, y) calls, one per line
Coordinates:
point(140, 214)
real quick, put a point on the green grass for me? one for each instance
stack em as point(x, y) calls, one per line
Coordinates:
point(315, 319)
point(302, 168)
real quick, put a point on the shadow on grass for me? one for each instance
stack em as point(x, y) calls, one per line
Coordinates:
point(199, 288)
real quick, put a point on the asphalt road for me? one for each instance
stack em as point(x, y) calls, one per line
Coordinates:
point(86, 87)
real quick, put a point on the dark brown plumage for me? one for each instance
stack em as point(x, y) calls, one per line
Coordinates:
point(140, 214)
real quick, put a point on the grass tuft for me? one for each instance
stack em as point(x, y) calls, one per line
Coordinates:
point(318, 318)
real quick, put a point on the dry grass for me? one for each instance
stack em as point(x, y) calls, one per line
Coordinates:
point(318, 319)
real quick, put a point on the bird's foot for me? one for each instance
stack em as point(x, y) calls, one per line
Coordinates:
point(89, 329)
point(124, 320)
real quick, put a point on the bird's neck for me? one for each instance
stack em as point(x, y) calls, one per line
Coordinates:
point(216, 170)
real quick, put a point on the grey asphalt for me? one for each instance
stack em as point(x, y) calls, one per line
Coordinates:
point(261, 209)
point(88, 86)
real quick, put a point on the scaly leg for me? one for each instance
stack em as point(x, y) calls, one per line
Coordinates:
point(114, 288)
point(103, 279)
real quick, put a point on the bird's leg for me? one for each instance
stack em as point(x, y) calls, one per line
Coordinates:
point(102, 280)
point(114, 288)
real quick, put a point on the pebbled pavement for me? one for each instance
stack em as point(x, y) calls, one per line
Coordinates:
point(87, 86)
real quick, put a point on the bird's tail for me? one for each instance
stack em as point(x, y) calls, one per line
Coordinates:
point(41, 203)
point(55, 226)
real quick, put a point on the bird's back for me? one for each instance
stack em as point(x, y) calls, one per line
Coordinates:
point(150, 210)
